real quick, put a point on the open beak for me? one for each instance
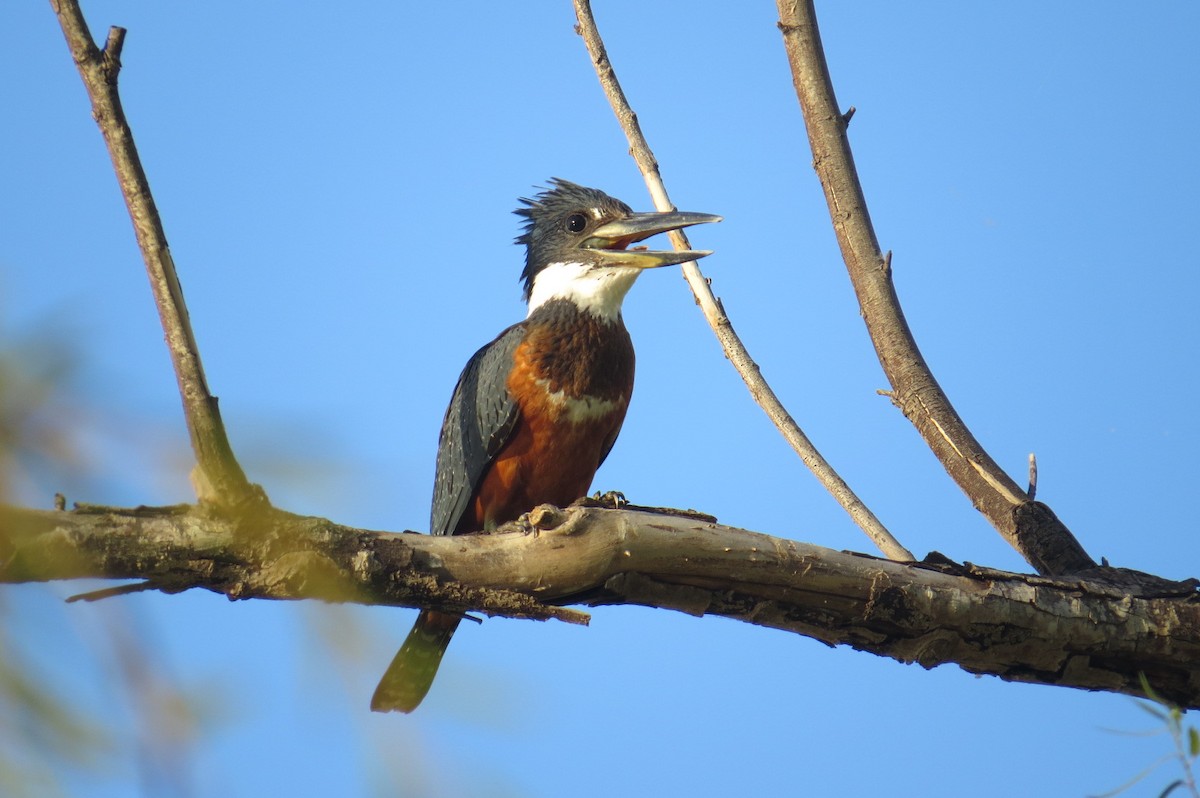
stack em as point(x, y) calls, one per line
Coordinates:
point(610, 241)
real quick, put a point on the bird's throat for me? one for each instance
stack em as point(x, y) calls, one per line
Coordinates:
point(596, 290)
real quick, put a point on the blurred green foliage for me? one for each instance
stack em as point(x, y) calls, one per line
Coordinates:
point(1185, 742)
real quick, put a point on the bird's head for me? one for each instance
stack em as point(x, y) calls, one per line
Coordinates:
point(577, 241)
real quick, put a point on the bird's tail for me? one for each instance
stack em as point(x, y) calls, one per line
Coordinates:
point(411, 673)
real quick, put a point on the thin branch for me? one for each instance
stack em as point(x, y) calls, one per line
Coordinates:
point(1068, 632)
point(221, 479)
point(1030, 527)
point(713, 310)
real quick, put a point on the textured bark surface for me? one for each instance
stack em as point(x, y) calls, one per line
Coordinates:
point(1089, 634)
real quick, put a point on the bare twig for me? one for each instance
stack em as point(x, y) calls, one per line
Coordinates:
point(112, 592)
point(221, 478)
point(714, 312)
point(1029, 526)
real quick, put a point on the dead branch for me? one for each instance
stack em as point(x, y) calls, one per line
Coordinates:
point(220, 478)
point(1029, 526)
point(268, 554)
point(1069, 632)
point(714, 311)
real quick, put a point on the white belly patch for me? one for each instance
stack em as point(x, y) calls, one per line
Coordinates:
point(579, 408)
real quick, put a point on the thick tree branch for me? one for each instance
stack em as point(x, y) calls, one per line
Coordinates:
point(221, 479)
point(1030, 527)
point(268, 554)
point(1069, 632)
point(714, 311)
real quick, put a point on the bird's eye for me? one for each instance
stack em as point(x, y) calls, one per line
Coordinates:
point(576, 222)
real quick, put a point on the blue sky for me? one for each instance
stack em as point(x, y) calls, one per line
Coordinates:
point(336, 186)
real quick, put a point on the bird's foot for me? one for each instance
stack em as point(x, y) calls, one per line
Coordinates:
point(610, 499)
point(524, 525)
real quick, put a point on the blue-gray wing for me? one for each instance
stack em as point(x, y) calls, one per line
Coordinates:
point(479, 421)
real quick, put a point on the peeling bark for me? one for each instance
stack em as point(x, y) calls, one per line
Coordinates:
point(1089, 633)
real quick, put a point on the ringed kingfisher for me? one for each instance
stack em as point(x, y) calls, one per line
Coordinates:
point(536, 411)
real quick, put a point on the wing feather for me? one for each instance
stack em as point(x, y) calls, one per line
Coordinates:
point(481, 418)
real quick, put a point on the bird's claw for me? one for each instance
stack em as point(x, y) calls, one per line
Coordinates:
point(524, 525)
point(613, 499)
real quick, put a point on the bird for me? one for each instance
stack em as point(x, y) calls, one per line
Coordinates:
point(536, 411)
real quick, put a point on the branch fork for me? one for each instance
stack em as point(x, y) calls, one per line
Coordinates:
point(220, 480)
